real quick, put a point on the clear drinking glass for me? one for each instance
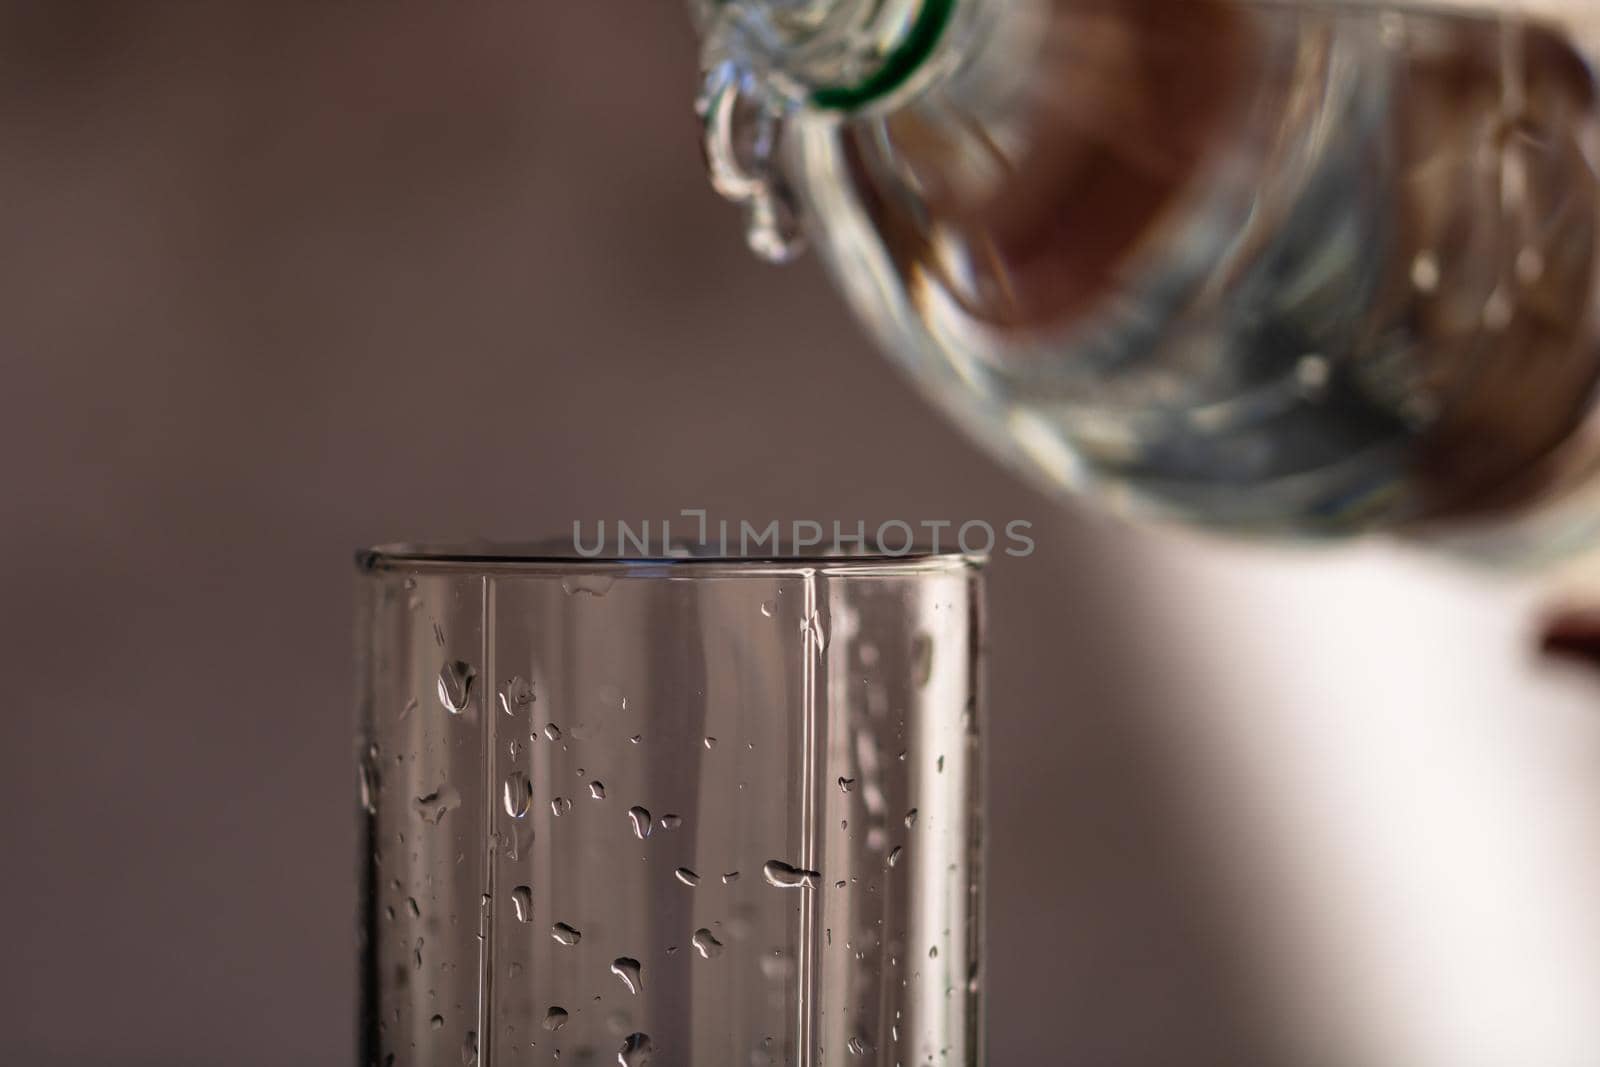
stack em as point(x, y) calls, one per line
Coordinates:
point(708, 812)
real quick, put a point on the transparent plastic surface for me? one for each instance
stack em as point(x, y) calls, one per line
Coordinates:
point(689, 812)
point(1271, 267)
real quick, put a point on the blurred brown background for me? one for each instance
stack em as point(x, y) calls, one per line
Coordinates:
point(281, 280)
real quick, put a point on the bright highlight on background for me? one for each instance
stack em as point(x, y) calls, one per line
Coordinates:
point(1408, 830)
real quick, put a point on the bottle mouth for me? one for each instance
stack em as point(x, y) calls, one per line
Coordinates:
point(833, 55)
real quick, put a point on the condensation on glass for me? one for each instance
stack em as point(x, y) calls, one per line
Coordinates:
point(702, 812)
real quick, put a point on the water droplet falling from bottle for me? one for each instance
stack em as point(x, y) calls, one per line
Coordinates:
point(783, 876)
point(628, 969)
point(455, 685)
point(555, 1018)
point(517, 794)
point(640, 818)
point(522, 903)
point(687, 877)
point(706, 943)
point(635, 1051)
point(433, 807)
point(597, 790)
point(565, 935)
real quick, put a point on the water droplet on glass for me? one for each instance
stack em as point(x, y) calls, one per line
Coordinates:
point(921, 659)
point(435, 805)
point(933, 953)
point(894, 855)
point(635, 739)
point(815, 630)
point(670, 821)
point(552, 731)
point(369, 787)
point(783, 876)
point(522, 903)
point(769, 608)
point(711, 743)
point(438, 634)
point(972, 978)
point(730, 878)
point(858, 1046)
point(411, 906)
point(635, 1051)
point(911, 818)
point(411, 705)
point(627, 969)
point(706, 944)
point(514, 970)
point(595, 585)
point(640, 818)
point(941, 764)
point(455, 685)
point(469, 1049)
point(517, 695)
point(555, 1018)
point(846, 784)
point(687, 877)
point(597, 790)
point(565, 935)
point(437, 1022)
point(518, 794)
point(559, 806)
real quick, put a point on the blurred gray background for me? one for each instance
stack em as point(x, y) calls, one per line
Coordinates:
point(281, 280)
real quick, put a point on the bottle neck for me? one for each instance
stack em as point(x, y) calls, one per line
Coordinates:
point(835, 55)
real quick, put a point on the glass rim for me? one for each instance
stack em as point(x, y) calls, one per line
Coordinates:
point(556, 559)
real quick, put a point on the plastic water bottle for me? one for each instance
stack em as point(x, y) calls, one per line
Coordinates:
point(1283, 268)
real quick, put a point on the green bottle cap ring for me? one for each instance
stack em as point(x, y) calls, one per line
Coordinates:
point(897, 66)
